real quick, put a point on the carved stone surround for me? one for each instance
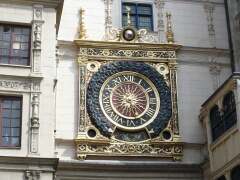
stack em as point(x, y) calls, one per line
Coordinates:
point(30, 80)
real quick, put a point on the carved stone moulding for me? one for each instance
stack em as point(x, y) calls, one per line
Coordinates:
point(29, 163)
point(17, 85)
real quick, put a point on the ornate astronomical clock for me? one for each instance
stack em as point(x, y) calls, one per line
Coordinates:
point(128, 97)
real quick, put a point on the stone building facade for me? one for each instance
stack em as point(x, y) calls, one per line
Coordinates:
point(51, 52)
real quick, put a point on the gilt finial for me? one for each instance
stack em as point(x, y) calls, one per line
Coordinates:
point(128, 10)
point(82, 29)
point(169, 33)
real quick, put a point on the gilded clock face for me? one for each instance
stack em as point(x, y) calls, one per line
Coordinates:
point(129, 100)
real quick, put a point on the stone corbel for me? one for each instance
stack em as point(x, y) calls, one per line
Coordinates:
point(33, 175)
point(209, 7)
point(160, 8)
point(38, 11)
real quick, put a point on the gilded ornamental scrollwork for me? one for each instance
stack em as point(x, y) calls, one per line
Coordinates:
point(119, 148)
point(82, 62)
point(116, 53)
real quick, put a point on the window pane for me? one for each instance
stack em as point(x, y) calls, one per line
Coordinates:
point(1, 29)
point(5, 141)
point(5, 52)
point(133, 8)
point(15, 113)
point(24, 54)
point(15, 132)
point(6, 113)
point(15, 141)
point(25, 30)
point(24, 62)
point(4, 60)
point(133, 21)
point(6, 44)
point(24, 46)
point(15, 52)
point(16, 45)
point(17, 38)
point(16, 104)
point(10, 121)
point(6, 122)
point(5, 131)
point(145, 23)
point(15, 60)
point(6, 37)
point(17, 30)
point(15, 122)
point(7, 104)
point(6, 29)
point(235, 175)
point(144, 10)
point(24, 38)
point(222, 178)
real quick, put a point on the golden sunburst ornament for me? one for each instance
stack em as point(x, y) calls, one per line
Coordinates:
point(129, 100)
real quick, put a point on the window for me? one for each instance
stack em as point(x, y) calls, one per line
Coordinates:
point(230, 117)
point(140, 15)
point(235, 175)
point(220, 124)
point(10, 121)
point(15, 44)
point(216, 123)
point(222, 178)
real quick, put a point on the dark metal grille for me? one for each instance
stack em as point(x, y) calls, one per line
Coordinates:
point(235, 175)
point(15, 44)
point(216, 123)
point(10, 121)
point(140, 15)
point(229, 105)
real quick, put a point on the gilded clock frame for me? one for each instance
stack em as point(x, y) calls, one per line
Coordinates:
point(94, 54)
